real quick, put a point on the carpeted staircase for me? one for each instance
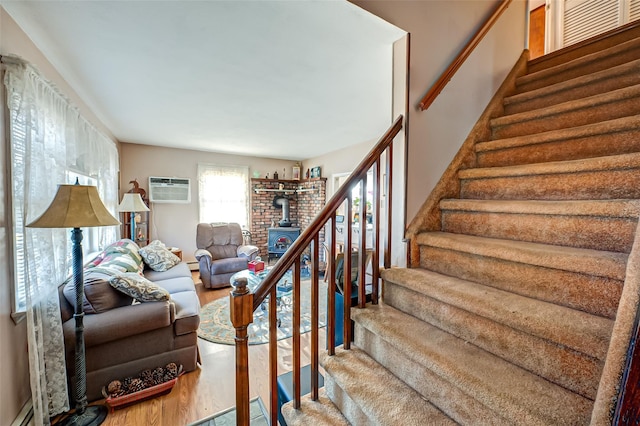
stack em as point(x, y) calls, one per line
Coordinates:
point(508, 318)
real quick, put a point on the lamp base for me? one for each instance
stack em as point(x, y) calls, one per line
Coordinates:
point(93, 415)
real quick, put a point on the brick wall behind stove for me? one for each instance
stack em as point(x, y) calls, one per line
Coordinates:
point(310, 203)
point(303, 207)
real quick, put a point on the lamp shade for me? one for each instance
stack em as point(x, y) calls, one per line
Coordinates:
point(75, 206)
point(132, 202)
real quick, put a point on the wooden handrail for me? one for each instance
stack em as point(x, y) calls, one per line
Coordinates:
point(243, 303)
point(448, 74)
point(330, 207)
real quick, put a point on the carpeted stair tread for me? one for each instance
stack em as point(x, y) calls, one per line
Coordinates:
point(583, 332)
point(382, 397)
point(555, 362)
point(320, 412)
point(594, 224)
point(598, 208)
point(580, 111)
point(583, 261)
point(582, 65)
point(603, 127)
point(611, 39)
point(508, 390)
point(608, 163)
point(619, 76)
point(592, 294)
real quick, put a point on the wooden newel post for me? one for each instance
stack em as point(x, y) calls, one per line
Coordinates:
point(241, 311)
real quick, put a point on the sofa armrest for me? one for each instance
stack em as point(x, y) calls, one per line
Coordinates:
point(249, 252)
point(121, 322)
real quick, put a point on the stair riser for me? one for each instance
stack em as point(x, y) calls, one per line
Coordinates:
point(530, 83)
point(474, 402)
point(319, 412)
point(555, 362)
point(596, 295)
point(597, 185)
point(597, 145)
point(449, 398)
point(349, 408)
point(618, 81)
point(574, 117)
point(598, 233)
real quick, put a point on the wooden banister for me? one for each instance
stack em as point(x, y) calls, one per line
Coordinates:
point(331, 206)
point(448, 74)
point(241, 313)
point(243, 303)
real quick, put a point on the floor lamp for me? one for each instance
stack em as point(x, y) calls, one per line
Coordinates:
point(132, 202)
point(78, 206)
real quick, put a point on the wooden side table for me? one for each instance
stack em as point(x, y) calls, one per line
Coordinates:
point(177, 251)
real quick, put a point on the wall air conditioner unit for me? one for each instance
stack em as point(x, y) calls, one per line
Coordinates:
point(169, 190)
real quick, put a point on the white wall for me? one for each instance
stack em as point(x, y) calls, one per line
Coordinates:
point(439, 29)
point(175, 224)
point(338, 162)
point(399, 166)
point(342, 162)
point(14, 374)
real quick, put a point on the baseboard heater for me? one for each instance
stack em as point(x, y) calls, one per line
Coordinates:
point(25, 417)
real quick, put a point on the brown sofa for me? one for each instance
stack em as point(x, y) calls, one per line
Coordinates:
point(221, 252)
point(123, 339)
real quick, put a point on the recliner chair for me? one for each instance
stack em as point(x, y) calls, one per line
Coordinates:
point(221, 253)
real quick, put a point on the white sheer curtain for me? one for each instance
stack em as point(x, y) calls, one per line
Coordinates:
point(223, 193)
point(48, 138)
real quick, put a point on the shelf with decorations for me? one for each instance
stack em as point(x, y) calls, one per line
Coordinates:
point(284, 186)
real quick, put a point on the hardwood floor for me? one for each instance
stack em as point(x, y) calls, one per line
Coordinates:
point(210, 388)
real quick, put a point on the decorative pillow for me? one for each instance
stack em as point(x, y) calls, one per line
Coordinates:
point(121, 262)
point(121, 256)
point(99, 296)
point(96, 260)
point(158, 256)
point(123, 245)
point(139, 287)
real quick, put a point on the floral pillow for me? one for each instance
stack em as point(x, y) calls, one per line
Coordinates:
point(138, 287)
point(120, 262)
point(158, 256)
point(121, 256)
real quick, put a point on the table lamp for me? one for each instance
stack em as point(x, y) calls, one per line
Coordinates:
point(132, 202)
point(78, 206)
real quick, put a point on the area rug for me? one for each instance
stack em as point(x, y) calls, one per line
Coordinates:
point(215, 324)
point(257, 416)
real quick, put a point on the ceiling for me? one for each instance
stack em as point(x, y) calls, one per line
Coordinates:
point(279, 79)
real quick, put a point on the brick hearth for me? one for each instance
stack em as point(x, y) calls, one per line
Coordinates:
point(303, 206)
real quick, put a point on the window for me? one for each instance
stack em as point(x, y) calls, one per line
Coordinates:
point(50, 144)
point(340, 179)
point(223, 193)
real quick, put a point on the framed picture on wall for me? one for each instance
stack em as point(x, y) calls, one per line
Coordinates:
point(315, 172)
point(295, 175)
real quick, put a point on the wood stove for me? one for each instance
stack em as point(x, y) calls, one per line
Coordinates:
point(280, 239)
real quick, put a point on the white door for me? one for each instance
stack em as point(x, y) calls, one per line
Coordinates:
point(571, 21)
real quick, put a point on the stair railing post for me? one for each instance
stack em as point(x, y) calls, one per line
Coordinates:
point(241, 312)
